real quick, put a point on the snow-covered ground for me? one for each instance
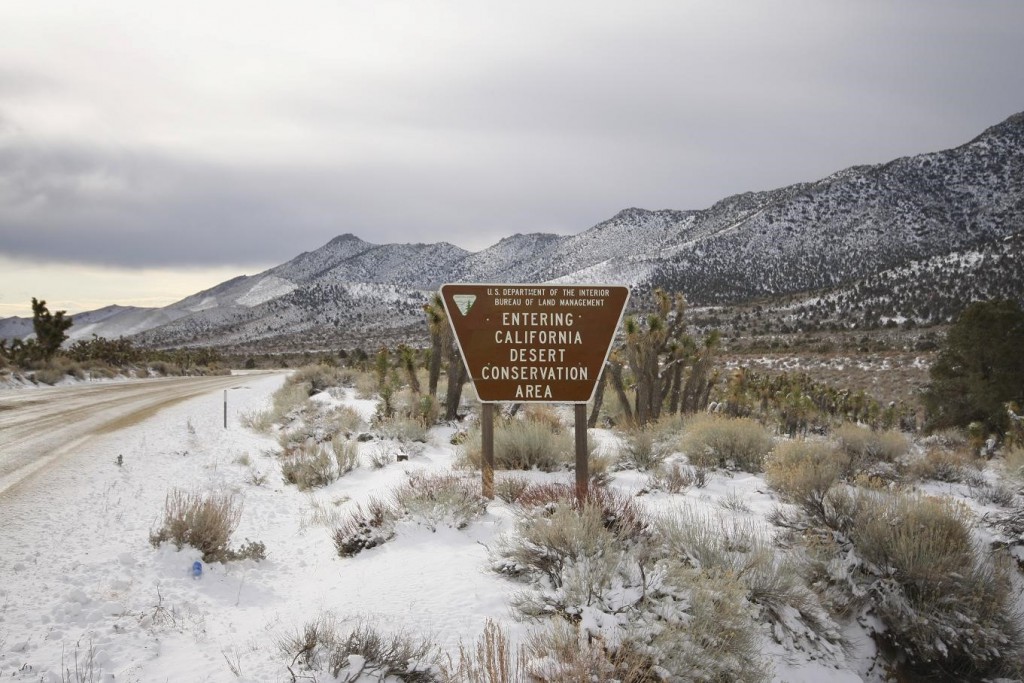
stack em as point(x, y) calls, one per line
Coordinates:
point(81, 585)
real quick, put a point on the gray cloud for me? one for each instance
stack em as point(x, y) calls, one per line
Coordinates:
point(534, 117)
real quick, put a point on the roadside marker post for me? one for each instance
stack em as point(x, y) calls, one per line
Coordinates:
point(534, 343)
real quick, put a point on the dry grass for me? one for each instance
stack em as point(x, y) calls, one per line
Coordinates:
point(735, 443)
point(490, 660)
point(562, 652)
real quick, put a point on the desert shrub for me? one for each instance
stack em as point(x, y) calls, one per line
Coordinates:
point(490, 660)
point(48, 375)
point(772, 580)
point(676, 478)
point(436, 499)
point(521, 445)
point(346, 420)
point(993, 494)
point(545, 495)
point(403, 429)
point(620, 513)
point(865, 447)
point(362, 651)
point(346, 454)
point(804, 471)
point(1013, 462)
point(366, 385)
point(642, 451)
point(545, 544)
point(561, 651)
point(543, 414)
point(942, 603)
point(737, 443)
point(289, 399)
point(365, 527)
point(510, 488)
point(940, 464)
point(316, 378)
point(599, 466)
point(205, 523)
point(381, 455)
point(308, 466)
point(166, 369)
point(719, 640)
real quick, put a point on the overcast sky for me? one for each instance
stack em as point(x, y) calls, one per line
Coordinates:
point(148, 149)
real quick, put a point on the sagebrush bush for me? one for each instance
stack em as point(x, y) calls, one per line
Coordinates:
point(48, 375)
point(286, 401)
point(941, 464)
point(544, 544)
point(864, 446)
point(543, 414)
point(317, 378)
point(1013, 461)
point(360, 653)
point(346, 454)
point(436, 499)
point(510, 488)
point(521, 445)
point(561, 651)
point(943, 603)
point(403, 429)
point(641, 450)
point(206, 523)
point(346, 420)
point(804, 471)
point(366, 527)
point(308, 466)
point(676, 478)
point(774, 581)
point(719, 640)
point(729, 442)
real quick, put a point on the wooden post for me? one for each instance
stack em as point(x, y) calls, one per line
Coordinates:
point(487, 436)
point(582, 466)
point(225, 409)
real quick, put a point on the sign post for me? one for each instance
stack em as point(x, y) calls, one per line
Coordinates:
point(534, 343)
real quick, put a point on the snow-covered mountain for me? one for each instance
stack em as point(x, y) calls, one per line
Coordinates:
point(916, 238)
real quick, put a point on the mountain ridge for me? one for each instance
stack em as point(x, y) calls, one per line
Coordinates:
point(801, 240)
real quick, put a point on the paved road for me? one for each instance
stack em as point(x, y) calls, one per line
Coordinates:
point(37, 427)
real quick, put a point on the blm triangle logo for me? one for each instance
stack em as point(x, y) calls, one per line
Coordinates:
point(464, 302)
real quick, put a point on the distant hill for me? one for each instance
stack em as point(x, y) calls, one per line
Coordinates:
point(913, 240)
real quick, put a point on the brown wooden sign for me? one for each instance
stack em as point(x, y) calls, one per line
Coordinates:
point(532, 342)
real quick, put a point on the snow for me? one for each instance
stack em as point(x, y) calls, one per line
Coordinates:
point(77, 569)
point(266, 289)
point(79, 578)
